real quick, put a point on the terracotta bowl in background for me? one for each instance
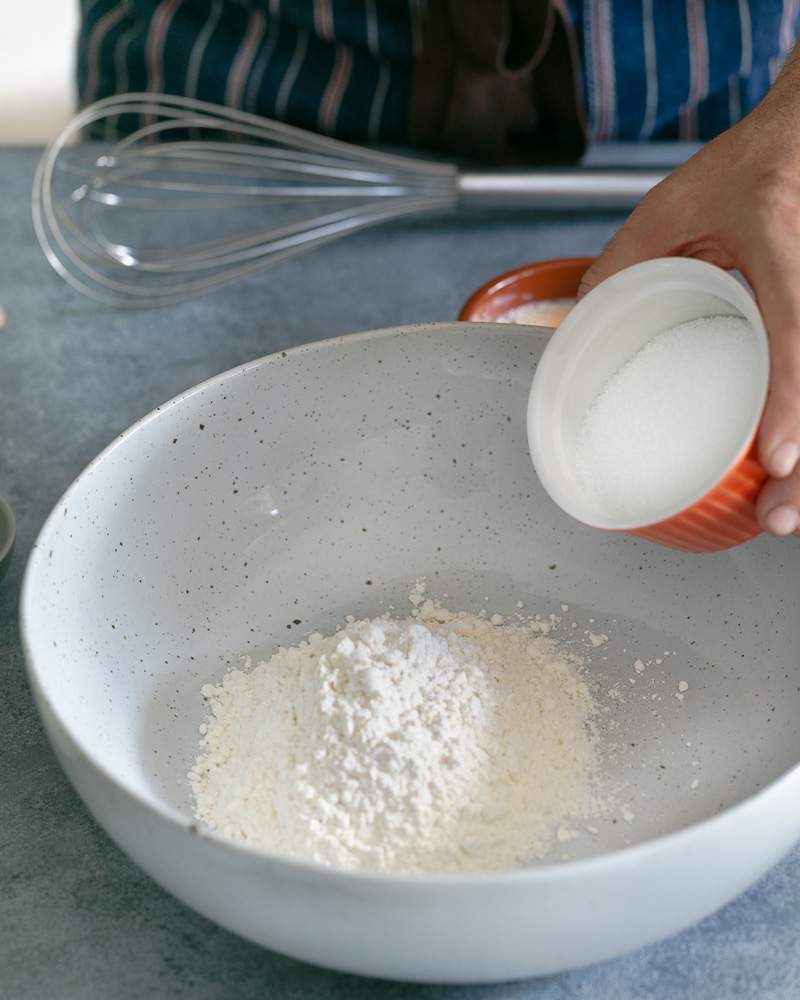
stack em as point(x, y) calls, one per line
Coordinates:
point(544, 279)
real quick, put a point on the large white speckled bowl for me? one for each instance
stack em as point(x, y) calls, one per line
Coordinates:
point(322, 481)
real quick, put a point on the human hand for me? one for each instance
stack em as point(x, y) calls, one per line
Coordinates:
point(736, 203)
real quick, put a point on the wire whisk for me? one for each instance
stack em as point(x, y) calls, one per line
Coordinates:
point(198, 195)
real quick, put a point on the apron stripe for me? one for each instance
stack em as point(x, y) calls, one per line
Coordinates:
point(378, 103)
point(245, 57)
point(292, 72)
point(334, 91)
point(651, 70)
point(96, 39)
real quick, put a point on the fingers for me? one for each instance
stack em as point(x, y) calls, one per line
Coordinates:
point(650, 231)
point(625, 248)
point(779, 435)
point(775, 275)
point(774, 269)
point(778, 507)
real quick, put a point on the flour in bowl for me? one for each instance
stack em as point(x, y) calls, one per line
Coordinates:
point(439, 742)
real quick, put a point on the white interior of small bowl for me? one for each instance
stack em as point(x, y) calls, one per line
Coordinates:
point(324, 482)
point(599, 336)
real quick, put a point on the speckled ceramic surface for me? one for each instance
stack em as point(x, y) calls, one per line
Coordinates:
point(275, 499)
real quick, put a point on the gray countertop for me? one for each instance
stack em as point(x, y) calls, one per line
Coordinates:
point(77, 919)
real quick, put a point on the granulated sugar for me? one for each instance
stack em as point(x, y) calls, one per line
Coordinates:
point(671, 417)
point(439, 742)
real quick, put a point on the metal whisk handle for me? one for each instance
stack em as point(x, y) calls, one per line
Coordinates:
point(578, 189)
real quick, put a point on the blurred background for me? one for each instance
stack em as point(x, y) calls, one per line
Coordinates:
point(37, 90)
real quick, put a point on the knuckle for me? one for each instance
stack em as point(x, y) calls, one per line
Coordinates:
point(775, 196)
point(593, 274)
point(784, 403)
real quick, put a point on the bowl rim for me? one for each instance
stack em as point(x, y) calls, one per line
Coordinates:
point(7, 544)
point(500, 281)
point(546, 872)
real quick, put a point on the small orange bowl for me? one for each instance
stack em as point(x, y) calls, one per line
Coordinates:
point(538, 282)
point(598, 337)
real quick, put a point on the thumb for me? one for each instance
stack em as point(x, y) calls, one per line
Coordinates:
point(650, 231)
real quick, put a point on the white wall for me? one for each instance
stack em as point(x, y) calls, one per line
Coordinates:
point(37, 92)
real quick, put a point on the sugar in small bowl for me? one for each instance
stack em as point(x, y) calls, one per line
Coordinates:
point(645, 406)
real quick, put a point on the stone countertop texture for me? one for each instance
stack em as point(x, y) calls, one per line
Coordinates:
point(78, 921)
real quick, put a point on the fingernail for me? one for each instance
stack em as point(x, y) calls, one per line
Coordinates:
point(782, 520)
point(784, 459)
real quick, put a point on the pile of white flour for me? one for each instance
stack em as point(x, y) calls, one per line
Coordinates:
point(439, 742)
